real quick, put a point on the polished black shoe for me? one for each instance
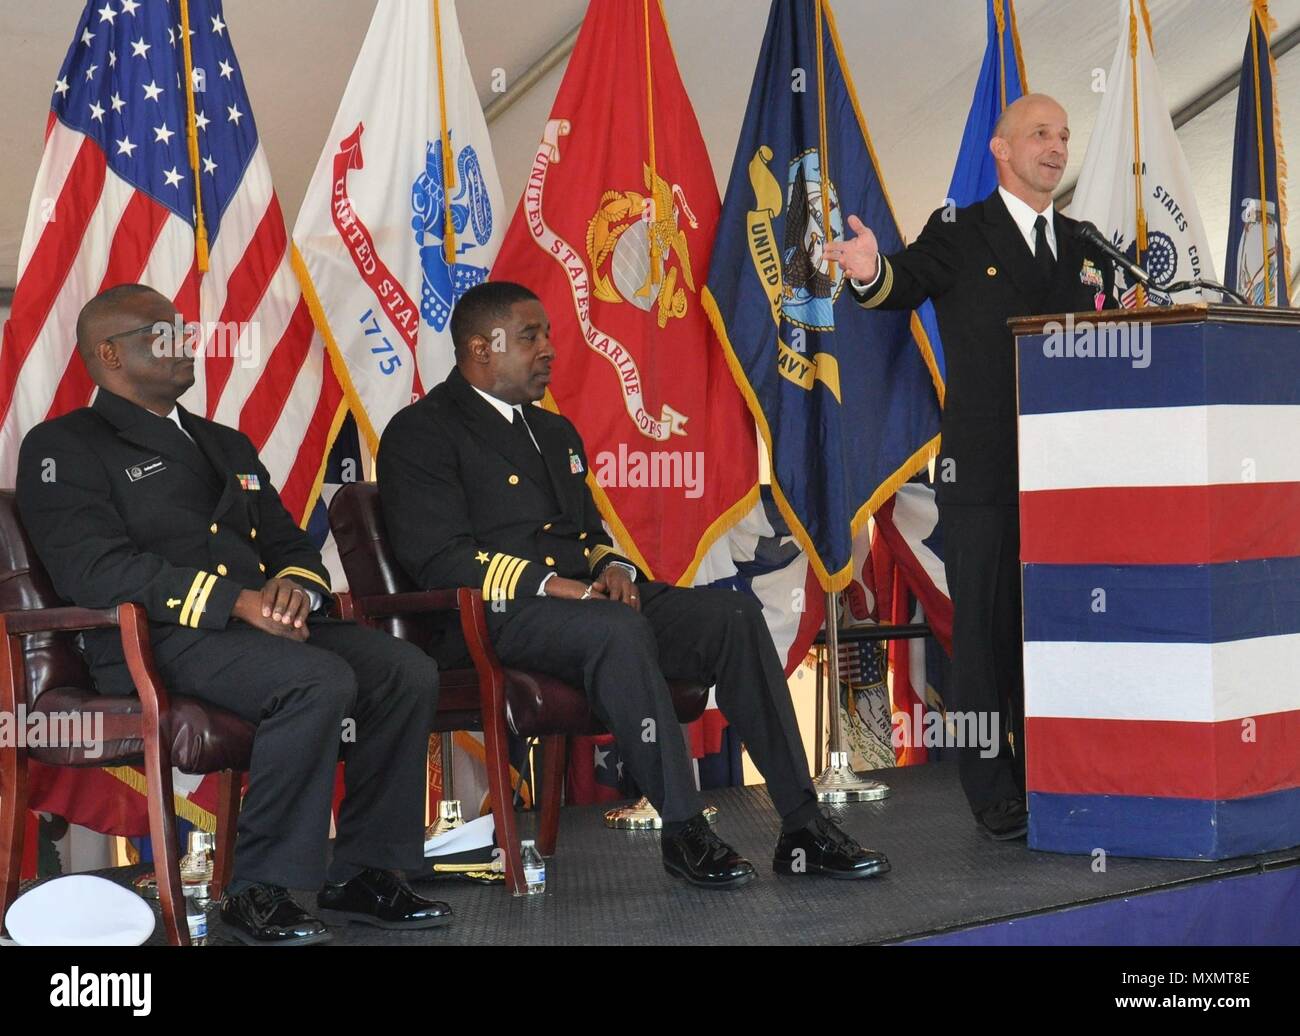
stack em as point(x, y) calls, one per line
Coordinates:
point(266, 915)
point(380, 898)
point(1004, 821)
point(823, 848)
point(697, 855)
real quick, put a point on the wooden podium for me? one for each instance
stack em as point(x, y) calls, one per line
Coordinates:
point(1160, 549)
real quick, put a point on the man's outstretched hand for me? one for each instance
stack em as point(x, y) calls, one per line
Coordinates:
point(858, 256)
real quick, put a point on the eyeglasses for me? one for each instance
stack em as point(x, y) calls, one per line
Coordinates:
point(165, 332)
point(135, 331)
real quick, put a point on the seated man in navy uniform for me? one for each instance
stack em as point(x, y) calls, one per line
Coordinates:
point(481, 490)
point(136, 499)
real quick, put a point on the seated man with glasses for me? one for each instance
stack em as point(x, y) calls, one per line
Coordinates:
point(135, 499)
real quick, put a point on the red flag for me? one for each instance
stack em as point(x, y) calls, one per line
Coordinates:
point(614, 233)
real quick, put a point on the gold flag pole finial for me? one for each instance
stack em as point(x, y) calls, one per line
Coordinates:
point(192, 138)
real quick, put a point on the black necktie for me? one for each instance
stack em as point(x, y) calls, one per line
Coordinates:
point(1042, 250)
point(520, 426)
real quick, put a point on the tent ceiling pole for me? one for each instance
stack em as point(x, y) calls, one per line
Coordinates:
point(1200, 103)
point(530, 77)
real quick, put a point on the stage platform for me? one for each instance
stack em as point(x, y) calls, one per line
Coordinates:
point(949, 884)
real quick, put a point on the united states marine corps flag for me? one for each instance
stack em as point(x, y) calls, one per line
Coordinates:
point(614, 233)
point(845, 397)
point(1258, 261)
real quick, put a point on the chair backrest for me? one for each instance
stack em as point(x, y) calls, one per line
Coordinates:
point(369, 562)
point(51, 659)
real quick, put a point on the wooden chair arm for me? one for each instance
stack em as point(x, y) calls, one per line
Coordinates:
point(381, 606)
point(56, 620)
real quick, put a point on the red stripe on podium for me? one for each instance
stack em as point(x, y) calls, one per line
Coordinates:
point(1160, 525)
point(1227, 760)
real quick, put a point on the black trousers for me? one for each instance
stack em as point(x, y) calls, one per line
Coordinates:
point(623, 659)
point(981, 547)
point(299, 695)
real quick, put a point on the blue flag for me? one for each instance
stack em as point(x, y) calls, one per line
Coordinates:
point(1257, 260)
point(1001, 81)
point(845, 397)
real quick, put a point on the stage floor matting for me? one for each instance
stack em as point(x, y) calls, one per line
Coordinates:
point(608, 887)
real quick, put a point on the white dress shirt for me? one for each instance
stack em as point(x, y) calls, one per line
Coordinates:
point(508, 412)
point(1025, 217)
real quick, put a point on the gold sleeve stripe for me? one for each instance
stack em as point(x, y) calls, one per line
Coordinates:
point(306, 573)
point(598, 554)
point(189, 598)
point(514, 580)
point(886, 286)
point(489, 577)
point(500, 588)
point(202, 601)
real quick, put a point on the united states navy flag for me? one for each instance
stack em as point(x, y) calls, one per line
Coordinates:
point(844, 397)
point(1258, 261)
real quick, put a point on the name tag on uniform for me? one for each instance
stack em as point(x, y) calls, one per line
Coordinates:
point(145, 468)
point(249, 483)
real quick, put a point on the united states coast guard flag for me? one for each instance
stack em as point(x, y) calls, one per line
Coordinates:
point(975, 176)
point(845, 397)
point(1258, 261)
point(1135, 184)
point(403, 214)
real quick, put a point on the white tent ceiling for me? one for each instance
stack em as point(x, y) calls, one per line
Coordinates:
point(914, 63)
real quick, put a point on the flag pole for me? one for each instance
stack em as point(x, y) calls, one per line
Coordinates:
point(1267, 267)
point(838, 782)
point(1140, 233)
point(641, 815)
point(444, 141)
point(192, 140)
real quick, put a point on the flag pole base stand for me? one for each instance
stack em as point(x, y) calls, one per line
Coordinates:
point(641, 816)
point(449, 818)
point(839, 783)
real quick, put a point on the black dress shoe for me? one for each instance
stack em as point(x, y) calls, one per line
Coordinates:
point(382, 899)
point(822, 848)
point(697, 855)
point(266, 915)
point(1004, 821)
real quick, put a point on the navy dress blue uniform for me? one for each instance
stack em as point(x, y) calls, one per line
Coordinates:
point(124, 505)
point(472, 499)
point(975, 265)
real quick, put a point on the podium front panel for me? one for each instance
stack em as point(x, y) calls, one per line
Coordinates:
point(1160, 549)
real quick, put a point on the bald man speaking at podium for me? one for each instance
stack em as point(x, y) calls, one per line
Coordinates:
point(1009, 255)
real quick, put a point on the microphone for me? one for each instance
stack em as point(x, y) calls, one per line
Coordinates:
point(1088, 233)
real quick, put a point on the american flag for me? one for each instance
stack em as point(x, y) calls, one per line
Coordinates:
point(114, 202)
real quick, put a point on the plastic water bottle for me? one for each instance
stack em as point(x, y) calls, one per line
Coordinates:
point(534, 868)
point(197, 919)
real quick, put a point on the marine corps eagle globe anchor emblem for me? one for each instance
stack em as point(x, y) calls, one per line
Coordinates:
point(637, 236)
